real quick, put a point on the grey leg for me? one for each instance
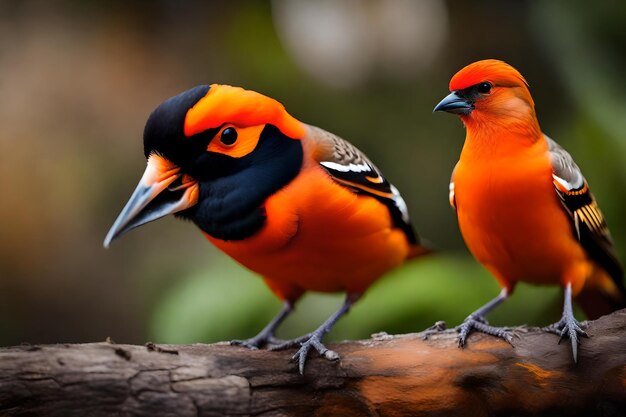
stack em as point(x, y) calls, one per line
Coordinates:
point(568, 325)
point(314, 339)
point(266, 335)
point(477, 321)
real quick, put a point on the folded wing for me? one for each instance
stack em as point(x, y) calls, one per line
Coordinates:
point(587, 220)
point(351, 168)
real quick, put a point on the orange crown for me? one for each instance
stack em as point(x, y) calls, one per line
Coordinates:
point(243, 108)
point(498, 73)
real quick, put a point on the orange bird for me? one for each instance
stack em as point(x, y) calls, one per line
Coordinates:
point(298, 205)
point(524, 208)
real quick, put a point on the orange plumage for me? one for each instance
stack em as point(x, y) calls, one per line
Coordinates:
point(301, 231)
point(523, 207)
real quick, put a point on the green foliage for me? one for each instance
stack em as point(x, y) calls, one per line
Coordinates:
point(223, 301)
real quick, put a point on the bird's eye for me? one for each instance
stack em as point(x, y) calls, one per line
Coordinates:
point(229, 136)
point(483, 88)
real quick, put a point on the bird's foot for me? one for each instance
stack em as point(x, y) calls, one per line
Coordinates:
point(305, 343)
point(260, 340)
point(479, 323)
point(568, 327)
point(315, 341)
point(438, 327)
point(297, 342)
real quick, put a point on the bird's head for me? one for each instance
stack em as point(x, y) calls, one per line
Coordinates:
point(214, 154)
point(489, 91)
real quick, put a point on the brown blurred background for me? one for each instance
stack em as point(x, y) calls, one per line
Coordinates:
point(79, 78)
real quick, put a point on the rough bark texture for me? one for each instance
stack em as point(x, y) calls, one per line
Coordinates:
point(387, 376)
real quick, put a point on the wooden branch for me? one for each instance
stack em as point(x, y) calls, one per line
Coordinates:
point(387, 376)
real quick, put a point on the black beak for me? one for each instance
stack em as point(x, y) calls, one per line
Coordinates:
point(454, 103)
point(157, 194)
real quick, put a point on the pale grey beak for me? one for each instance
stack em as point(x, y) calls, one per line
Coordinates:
point(153, 198)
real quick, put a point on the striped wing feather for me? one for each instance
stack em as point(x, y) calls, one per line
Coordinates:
point(587, 219)
point(348, 166)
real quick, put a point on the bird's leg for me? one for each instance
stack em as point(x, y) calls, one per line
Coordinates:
point(568, 325)
point(314, 339)
point(477, 321)
point(266, 335)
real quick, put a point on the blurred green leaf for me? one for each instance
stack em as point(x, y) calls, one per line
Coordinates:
point(224, 301)
point(219, 302)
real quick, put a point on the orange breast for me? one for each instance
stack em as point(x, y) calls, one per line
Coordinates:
point(320, 236)
point(512, 221)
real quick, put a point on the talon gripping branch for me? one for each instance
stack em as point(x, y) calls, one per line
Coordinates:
point(292, 202)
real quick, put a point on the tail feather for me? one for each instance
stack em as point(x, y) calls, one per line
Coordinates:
point(601, 296)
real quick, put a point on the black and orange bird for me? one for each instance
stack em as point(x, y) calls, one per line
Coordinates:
point(524, 207)
point(298, 205)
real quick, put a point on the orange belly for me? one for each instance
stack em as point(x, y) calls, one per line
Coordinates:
point(513, 223)
point(320, 236)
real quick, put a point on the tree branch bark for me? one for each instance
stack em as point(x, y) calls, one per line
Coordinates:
point(385, 376)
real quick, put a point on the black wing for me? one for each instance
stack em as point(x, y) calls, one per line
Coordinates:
point(587, 219)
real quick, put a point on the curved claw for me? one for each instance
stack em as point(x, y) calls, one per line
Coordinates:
point(315, 339)
point(564, 327)
point(572, 332)
point(315, 342)
point(479, 323)
point(568, 327)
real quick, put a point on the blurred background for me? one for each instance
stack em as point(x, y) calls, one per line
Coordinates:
point(79, 78)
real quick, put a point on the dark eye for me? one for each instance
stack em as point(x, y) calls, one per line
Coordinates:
point(229, 136)
point(483, 88)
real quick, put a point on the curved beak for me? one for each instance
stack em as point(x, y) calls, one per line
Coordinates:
point(162, 190)
point(454, 103)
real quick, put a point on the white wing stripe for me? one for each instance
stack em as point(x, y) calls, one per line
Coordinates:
point(567, 185)
point(347, 168)
point(563, 166)
point(451, 194)
point(400, 203)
